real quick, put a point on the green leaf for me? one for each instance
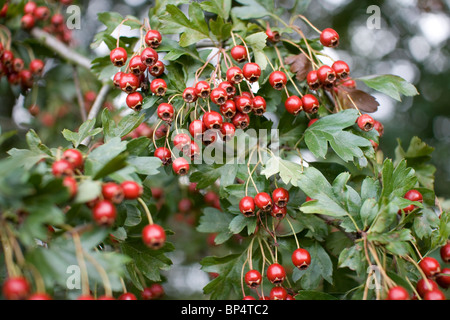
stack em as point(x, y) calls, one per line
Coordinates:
point(216, 221)
point(314, 295)
point(88, 190)
point(86, 130)
point(251, 9)
point(220, 7)
point(257, 42)
point(397, 181)
point(425, 224)
point(393, 86)
point(330, 129)
point(289, 171)
point(126, 125)
point(145, 165)
point(353, 258)
point(208, 175)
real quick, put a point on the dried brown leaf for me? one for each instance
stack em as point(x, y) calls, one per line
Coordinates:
point(364, 101)
point(300, 65)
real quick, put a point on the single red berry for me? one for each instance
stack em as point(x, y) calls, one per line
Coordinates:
point(158, 87)
point(414, 195)
point(131, 190)
point(185, 205)
point(181, 141)
point(259, 105)
point(425, 285)
point(434, 295)
point(190, 95)
point(210, 136)
point(251, 71)
point(228, 131)
point(164, 154)
point(16, 288)
point(104, 213)
point(241, 120)
point(203, 89)
point(134, 101)
point(136, 66)
point(264, 201)
point(278, 212)
point(329, 38)
point(239, 53)
point(313, 80)
point(166, 112)
point(445, 253)
point(37, 67)
point(379, 127)
point(443, 279)
point(301, 259)
point(247, 206)
point(74, 156)
point(29, 7)
point(280, 197)
point(253, 279)
point(273, 36)
point(26, 79)
point(248, 298)
point(7, 59)
point(157, 69)
point(278, 293)
point(229, 88)
point(40, 297)
point(157, 291)
point(62, 168)
point(27, 21)
point(57, 20)
point(398, 293)
point(327, 76)
point(244, 104)
point(278, 80)
point(430, 266)
point(113, 192)
point(213, 120)
point(154, 236)
point(276, 274)
point(116, 79)
point(181, 166)
point(194, 151)
point(219, 96)
point(146, 294)
point(153, 38)
point(366, 122)
point(149, 56)
point(341, 69)
point(294, 105)
point(119, 57)
point(310, 104)
point(127, 296)
point(41, 13)
point(71, 184)
point(196, 129)
point(129, 82)
point(228, 109)
point(235, 75)
point(18, 65)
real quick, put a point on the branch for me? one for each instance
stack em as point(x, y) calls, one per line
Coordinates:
point(60, 48)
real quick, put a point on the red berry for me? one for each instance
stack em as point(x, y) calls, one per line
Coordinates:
point(329, 38)
point(248, 298)
point(41, 13)
point(197, 128)
point(327, 76)
point(273, 36)
point(278, 212)
point(219, 96)
point(37, 67)
point(278, 80)
point(229, 88)
point(40, 297)
point(158, 87)
point(430, 266)
point(157, 290)
point(434, 295)
point(213, 120)
point(280, 197)
point(27, 21)
point(264, 201)
point(259, 105)
point(210, 136)
point(443, 279)
point(310, 104)
point(29, 7)
point(228, 131)
point(129, 82)
point(247, 206)
point(379, 127)
point(412, 195)
point(71, 184)
point(239, 53)
point(301, 259)
point(7, 59)
point(276, 273)
point(252, 72)
point(366, 122)
point(164, 154)
point(241, 120)
point(127, 296)
point(106, 298)
point(134, 101)
point(181, 166)
point(166, 112)
point(190, 95)
point(136, 66)
point(278, 293)
point(117, 78)
point(235, 75)
point(113, 192)
point(16, 288)
point(73, 156)
point(131, 190)
point(119, 57)
point(104, 213)
point(244, 104)
point(203, 89)
point(341, 69)
point(149, 56)
point(313, 80)
point(398, 293)
point(157, 69)
point(194, 151)
point(425, 285)
point(153, 38)
point(181, 141)
point(228, 109)
point(445, 253)
point(253, 279)
point(62, 168)
point(154, 236)
point(294, 105)
point(57, 20)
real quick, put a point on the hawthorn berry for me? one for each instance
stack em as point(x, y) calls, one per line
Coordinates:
point(210, 136)
point(278, 293)
point(294, 105)
point(379, 127)
point(41, 13)
point(104, 213)
point(16, 288)
point(280, 197)
point(310, 104)
point(129, 82)
point(71, 184)
point(203, 89)
point(134, 101)
point(247, 206)
point(180, 166)
point(113, 192)
point(329, 38)
point(40, 297)
point(219, 96)
point(366, 122)
point(235, 75)
point(228, 109)
point(154, 236)
point(194, 151)
point(197, 128)
point(29, 7)
point(445, 253)
point(430, 266)
point(127, 296)
point(239, 53)
point(341, 69)
point(228, 131)
point(425, 285)
point(244, 104)
point(149, 56)
point(278, 212)
point(276, 274)
point(62, 168)
point(136, 66)
point(158, 87)
point(213, 120)
point(327, 76)
point(157, 69)
point(37, 67)
point(313, 80)
point(166, 112)
point(131, 190)
point(443, 279)
point(301, 258)
point(259, 105)
point(27, 21)
point(278, 80)
point(273, 36)
point(434, 295)
point(412, 195)
point(312, 121)
point(181, 141)
point(153, 39)
point(229, 88)
point(253, 279)
point(74, 156)
point(116, 79)
point(251, 71)
point(190, 95)
point(264, 201)
point(241, 120)
point(398, 293)
point(119, 57)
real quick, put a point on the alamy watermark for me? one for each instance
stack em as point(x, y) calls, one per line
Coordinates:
point(73, 17)
point(374, 21)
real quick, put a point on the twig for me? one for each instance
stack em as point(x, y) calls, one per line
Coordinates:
point(76, 80)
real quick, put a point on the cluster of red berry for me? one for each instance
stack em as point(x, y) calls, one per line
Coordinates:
point(433, 277)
